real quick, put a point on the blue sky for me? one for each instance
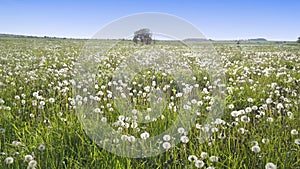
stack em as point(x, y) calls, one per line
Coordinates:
point(223, 19)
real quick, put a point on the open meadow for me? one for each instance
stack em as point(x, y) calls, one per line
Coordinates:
point(43, 99)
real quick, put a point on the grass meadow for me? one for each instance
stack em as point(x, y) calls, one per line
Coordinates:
point(40, 93)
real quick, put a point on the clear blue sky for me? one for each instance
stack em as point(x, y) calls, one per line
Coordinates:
point(223, 19)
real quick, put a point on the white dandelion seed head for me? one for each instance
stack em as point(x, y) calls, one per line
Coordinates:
point(255, 143)
point(181, 130)
point(192, 158)
point(147, 117)
point(213, 159)
point(134, 125)
point(241, 130)
point(265, 140)
point(248, 109)
point(255, 149)
point(270, 166)
point(254, 108)
point(269, 101)
point(245, 119)
point(250, 100)
point(145, 135)
point(204, 155)
point(166, 145)
point(124, 137)
point(28, 158)
point(51, 100)
point(279, 106)
point(294, 132)
point(131, 139)
point(41, 147)
point(270, 119)
point(166, 137)
point(8, 160)
point(199, 164)
point(104, 119)
point(16, 143)
point(32, 164)
point(231, 106)
point(184, 139)
point(235, 113)
point(214, 129)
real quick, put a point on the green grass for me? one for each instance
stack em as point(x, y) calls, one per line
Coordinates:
point(47, 67)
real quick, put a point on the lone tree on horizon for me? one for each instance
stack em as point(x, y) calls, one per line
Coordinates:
point(143, 35)
point(298, 40)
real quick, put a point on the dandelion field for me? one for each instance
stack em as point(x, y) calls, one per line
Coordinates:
point(39, 128)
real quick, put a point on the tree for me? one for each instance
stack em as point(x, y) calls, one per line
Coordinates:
point(144, 35)
point(298, 40)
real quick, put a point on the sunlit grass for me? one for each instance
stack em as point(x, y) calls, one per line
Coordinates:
point(37, 115)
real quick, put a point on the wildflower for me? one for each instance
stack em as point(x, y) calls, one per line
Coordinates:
point(34, 103)
point(28, 158)
point(184, 139)
point(131, 139)
point(199, 163)
point(269, 101)
point(242, 130)
point(294, 132)
point(166, 137)
point(181, 130)
point(255, 149)
point(235, 113)
point(270, 119)
point(147, 117)
point(121, 118)
point(265, 140)
point(32, 164)
point(231, 106)
point(145, 135)
point(51, 100)
point(42, 103)
point(41, 147)
point(214, 129)
point(297, 141)
point(16, 143)
point(166, 145)
point(245, 119)
point(134, 125)
point(104, 119)
point(254, 108)
point(17, 97)
point(9, 160)
point(203, 155)
point(279, 106)
point(192, 158)
point(270, 166)
point(250, 100)
point(213, 159)
point(255, 143)
point(222, 136)
point(248, 109)
point(124, 137)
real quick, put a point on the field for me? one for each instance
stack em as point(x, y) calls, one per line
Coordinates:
point(43, 99)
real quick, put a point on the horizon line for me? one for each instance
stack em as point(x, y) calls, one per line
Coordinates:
point(90, 38)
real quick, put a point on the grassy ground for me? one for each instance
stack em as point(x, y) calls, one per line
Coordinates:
point(260, 124)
